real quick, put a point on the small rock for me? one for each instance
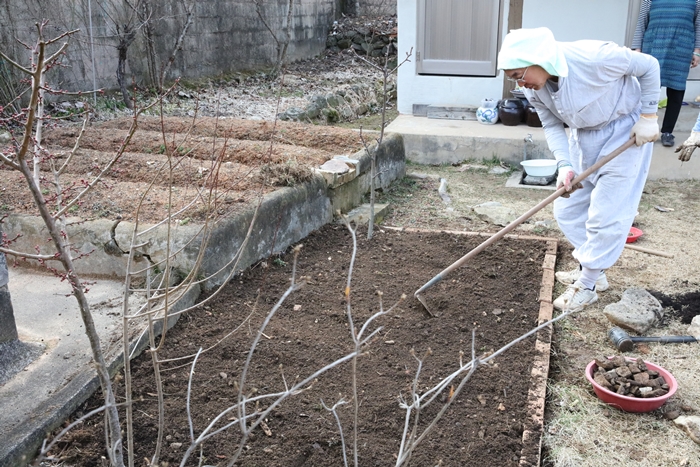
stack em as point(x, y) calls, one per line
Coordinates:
point(656, 393)
point(604, 363)
point(641, 378)
point(497, 170)
point(495, 213)
point(618, 361)
point(691, 425)
point(601, 380)
point(694, 328)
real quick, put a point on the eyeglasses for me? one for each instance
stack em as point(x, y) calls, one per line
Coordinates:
point(518, 80)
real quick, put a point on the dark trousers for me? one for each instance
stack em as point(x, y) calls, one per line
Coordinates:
point(673, 108)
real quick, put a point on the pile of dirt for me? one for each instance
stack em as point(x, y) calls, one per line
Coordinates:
point(681, 306)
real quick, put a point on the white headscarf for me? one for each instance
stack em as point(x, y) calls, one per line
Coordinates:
point(524, 47)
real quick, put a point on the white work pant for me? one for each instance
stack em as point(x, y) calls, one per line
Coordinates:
point(597, 218)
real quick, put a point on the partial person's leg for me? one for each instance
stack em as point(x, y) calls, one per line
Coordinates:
point(673, 109)
point(617, 190)
point(571, 214)
point(614, 198)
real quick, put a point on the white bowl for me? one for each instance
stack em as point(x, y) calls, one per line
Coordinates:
point(540, 167)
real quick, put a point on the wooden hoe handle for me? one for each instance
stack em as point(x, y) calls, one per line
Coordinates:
point(501, 233)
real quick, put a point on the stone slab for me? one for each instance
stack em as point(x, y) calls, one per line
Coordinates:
point(361, 214)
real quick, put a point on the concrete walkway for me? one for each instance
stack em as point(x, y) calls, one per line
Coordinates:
point(443, 141)
point(54, 384)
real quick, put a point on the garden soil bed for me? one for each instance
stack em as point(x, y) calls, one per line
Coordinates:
point(495, 294)
point(240, 159)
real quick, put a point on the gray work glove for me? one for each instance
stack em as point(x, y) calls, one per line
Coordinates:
point(686, 149)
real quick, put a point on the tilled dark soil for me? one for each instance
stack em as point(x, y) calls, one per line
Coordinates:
point(684, 307)
point(495, 294)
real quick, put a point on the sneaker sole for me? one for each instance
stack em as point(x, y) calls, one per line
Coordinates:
point(577, 309)
point(599, 285)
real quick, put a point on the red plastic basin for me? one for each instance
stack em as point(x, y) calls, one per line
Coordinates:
point(634, 234)
point(633, 404)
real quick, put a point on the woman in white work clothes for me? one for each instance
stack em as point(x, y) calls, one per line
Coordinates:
point(605, 94)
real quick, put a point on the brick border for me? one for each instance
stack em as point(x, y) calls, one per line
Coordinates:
point(536, 398)
point(533, 428)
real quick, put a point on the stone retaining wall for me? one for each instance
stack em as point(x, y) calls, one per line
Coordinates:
point(285, 217)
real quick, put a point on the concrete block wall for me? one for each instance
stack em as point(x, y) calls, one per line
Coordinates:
point(225, 36)
point(370, 7)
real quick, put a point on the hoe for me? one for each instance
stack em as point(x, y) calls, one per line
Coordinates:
point(500, 234)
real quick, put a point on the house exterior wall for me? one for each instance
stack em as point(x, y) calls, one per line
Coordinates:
point(434, 90)
point(569, 20)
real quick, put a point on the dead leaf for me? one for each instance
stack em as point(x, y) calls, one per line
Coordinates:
point(266, 428)
point(663, 209)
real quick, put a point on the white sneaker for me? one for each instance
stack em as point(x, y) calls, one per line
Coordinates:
point(575, 298)
point(569, 277)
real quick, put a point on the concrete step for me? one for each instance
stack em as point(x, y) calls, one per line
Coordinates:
point(434, 141)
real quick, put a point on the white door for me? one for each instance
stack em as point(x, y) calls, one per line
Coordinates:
point(458, 37)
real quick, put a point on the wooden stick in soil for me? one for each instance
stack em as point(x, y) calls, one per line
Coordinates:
point(649, 251)
point(501, 233)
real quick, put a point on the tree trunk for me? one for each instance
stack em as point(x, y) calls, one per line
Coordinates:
point(150, 48)
point(125, 41)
